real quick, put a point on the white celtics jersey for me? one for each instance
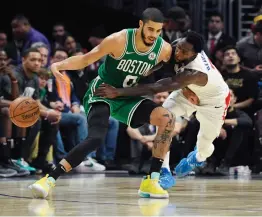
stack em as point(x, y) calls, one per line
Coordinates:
point(216, 89)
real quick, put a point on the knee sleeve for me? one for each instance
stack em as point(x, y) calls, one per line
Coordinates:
point(205, 146)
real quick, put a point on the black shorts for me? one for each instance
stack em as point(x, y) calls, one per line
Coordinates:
point(142, 114)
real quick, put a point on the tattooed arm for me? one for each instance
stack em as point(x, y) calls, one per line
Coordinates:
point(179, 81)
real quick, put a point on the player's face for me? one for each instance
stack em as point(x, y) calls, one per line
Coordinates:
point(150, 31)
point(231, 58)
point(33, 62)
point(184, 51)
point(160, 98)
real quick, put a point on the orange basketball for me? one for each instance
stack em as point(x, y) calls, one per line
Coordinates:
point(24, 112)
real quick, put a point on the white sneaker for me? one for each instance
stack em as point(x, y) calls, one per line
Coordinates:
point(93, 165)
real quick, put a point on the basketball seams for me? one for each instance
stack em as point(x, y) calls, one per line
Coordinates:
point(24, 112)
point(29, 115)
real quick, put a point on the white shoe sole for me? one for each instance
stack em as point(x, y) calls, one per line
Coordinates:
point(38, 191)
point(149, 195)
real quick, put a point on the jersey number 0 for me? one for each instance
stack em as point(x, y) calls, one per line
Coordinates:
point(129, 81)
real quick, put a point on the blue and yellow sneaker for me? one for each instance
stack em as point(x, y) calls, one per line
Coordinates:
point(186, 165)
point(166, 179)
point(42, 187)
point(150, 188)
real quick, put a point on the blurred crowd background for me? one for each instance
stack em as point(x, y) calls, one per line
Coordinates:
point(33, 37)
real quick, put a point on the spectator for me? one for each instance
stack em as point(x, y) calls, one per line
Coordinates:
point(43, 49)
point(27, 78)
point(3, 40)
point(250, 48)
point(24, 36)
point(176, 24)
point(8, 91)
point(217, 39)
point(58, 36)
point(48, 132)
point(241, 81)
point(70, 44)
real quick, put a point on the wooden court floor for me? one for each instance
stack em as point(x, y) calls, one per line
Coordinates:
point(115, 195)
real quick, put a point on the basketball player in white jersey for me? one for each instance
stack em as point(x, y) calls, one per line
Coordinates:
point(197, 87)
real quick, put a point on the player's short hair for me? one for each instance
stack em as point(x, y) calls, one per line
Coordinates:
point(196, 40)
point(230, 47)
point(152, 14)
point(217, 14)
point(30, 50)
point(21, 18)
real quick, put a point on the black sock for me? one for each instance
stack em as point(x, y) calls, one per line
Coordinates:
point(156, 165)
point(4, 152)
point(58, 171)
point(17, 149)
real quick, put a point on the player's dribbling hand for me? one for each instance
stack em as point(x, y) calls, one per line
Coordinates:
point(58, 75)
point(106, 91)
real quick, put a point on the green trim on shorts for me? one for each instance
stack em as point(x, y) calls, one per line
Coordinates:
point(132, 111)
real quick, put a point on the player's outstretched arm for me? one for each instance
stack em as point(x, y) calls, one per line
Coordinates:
point(107, 46)
point(168, 84)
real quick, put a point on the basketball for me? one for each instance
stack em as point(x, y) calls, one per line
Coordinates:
point(24, 112)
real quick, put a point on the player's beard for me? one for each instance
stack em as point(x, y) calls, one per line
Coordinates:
point(144, 39)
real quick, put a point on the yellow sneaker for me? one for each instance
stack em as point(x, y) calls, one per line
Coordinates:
point(41, 188)
point(150, 188)
point(152, 207)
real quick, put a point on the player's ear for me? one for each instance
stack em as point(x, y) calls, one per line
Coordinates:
point(140, 23)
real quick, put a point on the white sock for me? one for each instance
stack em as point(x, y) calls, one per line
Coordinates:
point(166, 161)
